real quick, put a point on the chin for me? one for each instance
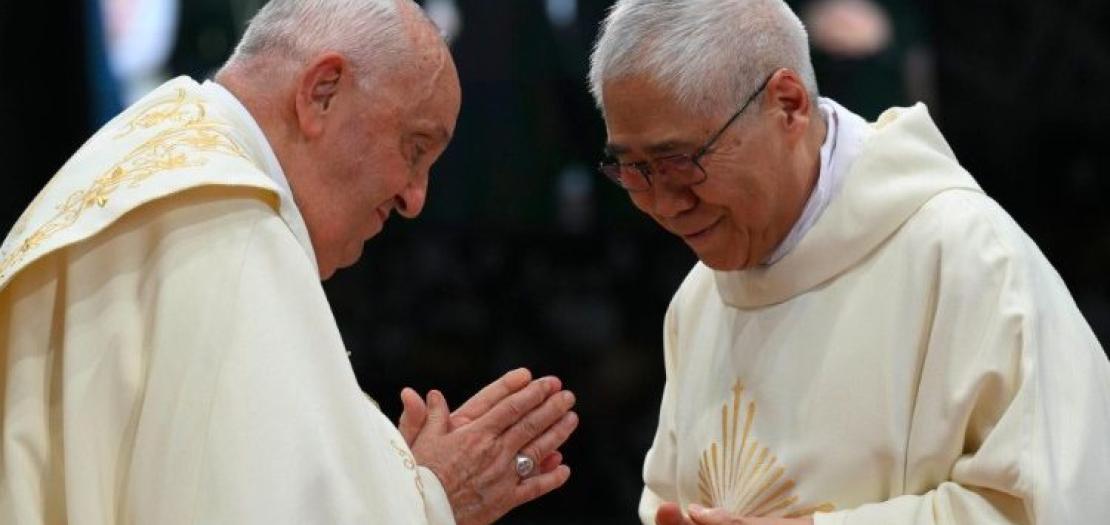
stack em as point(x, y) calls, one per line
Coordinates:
point(353, 255)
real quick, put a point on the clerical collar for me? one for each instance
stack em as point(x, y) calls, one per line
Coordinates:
point(843, 139)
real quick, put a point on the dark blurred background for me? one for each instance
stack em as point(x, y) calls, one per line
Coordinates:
point(524, 256)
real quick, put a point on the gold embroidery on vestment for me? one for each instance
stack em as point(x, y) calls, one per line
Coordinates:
point(181, 145)
point(744, 477)
point(410, 463)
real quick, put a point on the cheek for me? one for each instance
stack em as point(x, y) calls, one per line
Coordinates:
point(742, 194)
point(642, 202)
point(645, 203)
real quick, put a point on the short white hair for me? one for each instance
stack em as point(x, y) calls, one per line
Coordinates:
point(370, 33)
point(709, 54)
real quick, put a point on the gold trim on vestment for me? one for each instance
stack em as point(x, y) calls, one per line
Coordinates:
point(745, 477)
point(189, 135)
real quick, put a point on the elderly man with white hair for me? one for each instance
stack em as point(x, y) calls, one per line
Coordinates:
point(867, 338)
point(167, 354)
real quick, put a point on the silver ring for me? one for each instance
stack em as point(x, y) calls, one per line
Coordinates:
point(524, 465)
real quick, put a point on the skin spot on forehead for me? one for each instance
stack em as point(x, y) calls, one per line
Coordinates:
point(430, 56)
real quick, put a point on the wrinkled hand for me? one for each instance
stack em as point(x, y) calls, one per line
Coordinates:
point(415, 412)
point(670, 514)
point(473, 451)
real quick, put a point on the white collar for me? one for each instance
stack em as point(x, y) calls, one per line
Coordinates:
point(245, 122)
point(844, 136)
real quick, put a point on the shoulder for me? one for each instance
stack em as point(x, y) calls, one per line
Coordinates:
point(970, 226)
point(696, 287)
point(201, 235)
point(983, 257)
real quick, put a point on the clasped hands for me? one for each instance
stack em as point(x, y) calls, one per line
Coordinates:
point(671, 514)
point(473, 449)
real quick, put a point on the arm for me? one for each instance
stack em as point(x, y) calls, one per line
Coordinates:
point(292, 439)
point(1013, 365)
point(250, 411)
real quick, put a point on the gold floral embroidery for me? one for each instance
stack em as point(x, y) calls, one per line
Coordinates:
point(176, 108)
point(410, 463)
point(180, 145)
point(745, 478)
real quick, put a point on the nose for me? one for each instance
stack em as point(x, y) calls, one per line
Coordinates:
point(671, 200)
point(410, 202)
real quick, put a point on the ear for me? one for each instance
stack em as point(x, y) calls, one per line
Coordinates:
point(318, 87)
point(791, 102)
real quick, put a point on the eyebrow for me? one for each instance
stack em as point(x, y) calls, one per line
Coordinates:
point(613, 150)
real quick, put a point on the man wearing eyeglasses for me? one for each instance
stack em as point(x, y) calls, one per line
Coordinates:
point(867, 338)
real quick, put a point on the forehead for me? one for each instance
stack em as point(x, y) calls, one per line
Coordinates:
point(443, 95)
point(425, 93)
point(642, 116)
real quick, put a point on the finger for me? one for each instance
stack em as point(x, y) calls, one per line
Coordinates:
point(670, 514)
point(536, 486)
point(516, 406)
point(551, 462)
point(715, 516)
point(488, 397)
point(413, 416)
point(538, 421)
point(439, 416)
point(553, 437)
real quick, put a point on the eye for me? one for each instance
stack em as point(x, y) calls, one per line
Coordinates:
point(414, 152)
point(419, 148)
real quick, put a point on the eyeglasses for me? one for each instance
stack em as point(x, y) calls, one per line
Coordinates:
point(682, 169)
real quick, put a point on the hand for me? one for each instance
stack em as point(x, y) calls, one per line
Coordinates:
point(670, 514)
point(475, 460)
point(415, 410)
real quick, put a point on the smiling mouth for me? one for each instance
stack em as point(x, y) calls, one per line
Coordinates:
point(700, 234)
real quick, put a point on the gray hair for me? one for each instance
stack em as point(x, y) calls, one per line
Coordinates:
point(709, 54)
point(370, 33)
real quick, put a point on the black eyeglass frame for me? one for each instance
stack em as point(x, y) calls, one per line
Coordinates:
point(612, 170)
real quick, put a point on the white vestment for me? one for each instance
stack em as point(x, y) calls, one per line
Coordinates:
point(914, 359)
point(167, 354)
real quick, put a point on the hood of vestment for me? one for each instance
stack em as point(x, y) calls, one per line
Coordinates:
point(902, 164)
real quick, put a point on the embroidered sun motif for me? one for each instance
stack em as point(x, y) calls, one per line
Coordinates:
point(744, 477)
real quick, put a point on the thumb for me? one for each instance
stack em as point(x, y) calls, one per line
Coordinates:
point(439, 415)
point(703, 516)
point(669, 514)
point(413, 417)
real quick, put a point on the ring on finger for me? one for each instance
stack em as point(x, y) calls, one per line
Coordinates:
point(524, 465)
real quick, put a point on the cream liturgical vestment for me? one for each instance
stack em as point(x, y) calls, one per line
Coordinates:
point(914, 359)
point(167, 354)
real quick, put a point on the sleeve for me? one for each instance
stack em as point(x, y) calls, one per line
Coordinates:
point(262, 419)
point(660, 470)
point(1013, 363)
point(436, 504)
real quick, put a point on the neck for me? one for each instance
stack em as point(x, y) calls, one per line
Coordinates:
point(815, 139)
point(268, 109)
point(807, 170)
